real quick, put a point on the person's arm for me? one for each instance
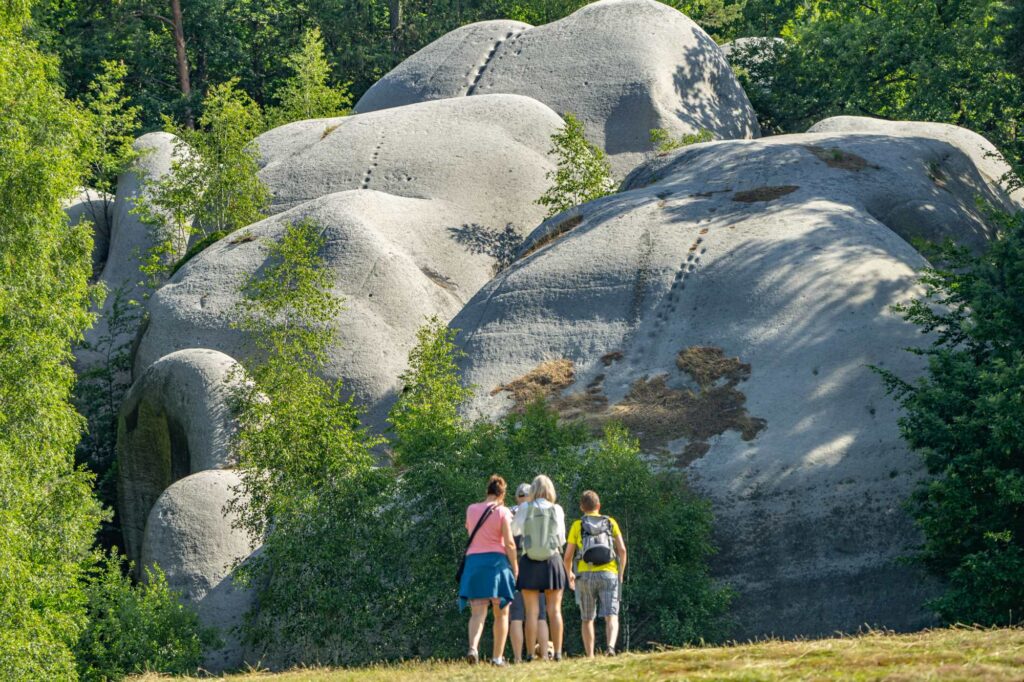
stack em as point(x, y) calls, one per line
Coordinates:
point(620, 552)
point(510, 545)
point(560, 524)
point(570, 552)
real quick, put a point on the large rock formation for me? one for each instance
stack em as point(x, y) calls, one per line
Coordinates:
point(727, 306)
point(174, 421)
point(622, 66)
point(439, 196)
point(191, 537)
point(96, 209)
point(486, 154)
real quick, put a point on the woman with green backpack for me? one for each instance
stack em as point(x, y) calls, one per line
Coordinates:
point(541, 522)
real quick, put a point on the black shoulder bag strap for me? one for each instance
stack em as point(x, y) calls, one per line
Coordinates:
point(462, 564)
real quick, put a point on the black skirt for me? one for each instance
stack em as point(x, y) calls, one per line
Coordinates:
point(541, 575)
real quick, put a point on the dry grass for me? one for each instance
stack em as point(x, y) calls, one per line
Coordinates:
point(655, 412)
point(545, 381)
point(554, 234)
point(951, 654)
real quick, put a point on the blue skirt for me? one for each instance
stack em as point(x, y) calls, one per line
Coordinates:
point(487, 576)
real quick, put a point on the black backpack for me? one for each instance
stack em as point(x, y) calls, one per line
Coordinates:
point(598, 548)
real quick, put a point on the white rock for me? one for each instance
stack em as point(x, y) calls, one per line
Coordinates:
point(622, 66)
point(189, 535)
point(786, 253)
point(174, 421)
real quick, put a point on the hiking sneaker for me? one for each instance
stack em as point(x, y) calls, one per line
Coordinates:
point(472, 657)
point(610, 651)
point(500, 662)
point(557, 657)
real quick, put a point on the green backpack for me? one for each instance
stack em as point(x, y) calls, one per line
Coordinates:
point(540, 539)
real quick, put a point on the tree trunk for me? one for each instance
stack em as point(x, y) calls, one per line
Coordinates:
point(395, 14)
point(184, 82)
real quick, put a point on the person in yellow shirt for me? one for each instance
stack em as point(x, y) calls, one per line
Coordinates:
point(602, 565)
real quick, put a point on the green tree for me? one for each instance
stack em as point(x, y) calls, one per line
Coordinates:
point(48, 517)
point(964, 417)
point(135, 629)
point(306, 463)
point(582, 172)
point(213, 187)
point(114, 125)
point(898, 59)
point(306, 94)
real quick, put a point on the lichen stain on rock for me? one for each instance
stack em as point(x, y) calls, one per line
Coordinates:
point(767, 193)
point(653, 411)
point(837, 158)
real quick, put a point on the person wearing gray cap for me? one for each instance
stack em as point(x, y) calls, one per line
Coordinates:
point(517, 612)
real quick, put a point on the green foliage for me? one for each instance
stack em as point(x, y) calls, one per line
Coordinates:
point(400, 601)
point(306, 463)
point(213, 185)
point(306, 94)
point(897, 59)
point(663, 142)
point(114, 124)
point(137, 628)
point(965, 418)
point(582, 172)
point(48, 516)
point(98, 394)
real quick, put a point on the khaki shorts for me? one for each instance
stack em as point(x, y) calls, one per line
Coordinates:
point(597, 593)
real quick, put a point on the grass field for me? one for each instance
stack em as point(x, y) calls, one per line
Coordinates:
point(950, 654)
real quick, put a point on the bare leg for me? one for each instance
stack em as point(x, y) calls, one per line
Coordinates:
point(477, 617)
point(531, 607)
point(515, 633)
point(542, 631)
point(500, 627)
point(587, 628)
point(611, 630)
point(555, 624)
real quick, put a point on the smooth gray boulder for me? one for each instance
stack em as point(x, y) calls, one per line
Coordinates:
point(981, 154)
point(486, 154)
point(623, 67)
point(175, 420)
point(191, 538)
point(727, 306)
point(396, 261)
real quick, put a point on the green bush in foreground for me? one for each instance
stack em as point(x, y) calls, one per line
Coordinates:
point(966, 418)
point(359, 561)
point(137, 628)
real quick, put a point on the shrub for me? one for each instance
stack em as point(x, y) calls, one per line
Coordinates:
point(964, 417)
point(582, 172)
point(137, 628)
point(664, 143)
point(213, 184)
point(336, 597)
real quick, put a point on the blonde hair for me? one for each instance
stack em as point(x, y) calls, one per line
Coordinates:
point(543, 487)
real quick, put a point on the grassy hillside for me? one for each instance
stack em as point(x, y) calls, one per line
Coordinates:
point(954, 654)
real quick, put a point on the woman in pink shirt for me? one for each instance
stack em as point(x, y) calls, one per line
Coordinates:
point(491, 568)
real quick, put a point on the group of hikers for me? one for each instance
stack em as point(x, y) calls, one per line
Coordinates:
point(514, 564)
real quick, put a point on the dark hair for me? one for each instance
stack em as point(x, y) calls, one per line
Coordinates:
point(589, 501)
point(496, 486)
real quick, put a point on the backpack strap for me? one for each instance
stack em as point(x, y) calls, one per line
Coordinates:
point(483, 517)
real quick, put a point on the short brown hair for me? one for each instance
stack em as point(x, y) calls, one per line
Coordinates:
point(496, 486)
point(589, 501)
